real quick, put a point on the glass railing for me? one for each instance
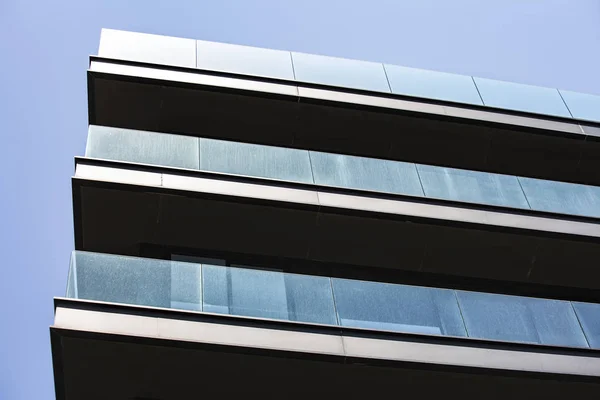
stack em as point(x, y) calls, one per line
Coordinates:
point(336, 170)
point(273, 294)
point(353, 74)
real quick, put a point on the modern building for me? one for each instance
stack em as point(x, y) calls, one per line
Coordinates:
point(261, 222)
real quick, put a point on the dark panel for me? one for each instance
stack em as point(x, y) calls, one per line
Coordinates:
point(115, 221)
point(480, 254)
point(228, 116)
point(572, 263)
point(123, 104)
point(342, 128)
point(536, 155)
point(368, 241)
point(589, 163)
point(195, 112)
point(440, 142)
point(237, 227)
point(149, 370)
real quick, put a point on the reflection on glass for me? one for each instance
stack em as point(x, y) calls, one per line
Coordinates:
point(582, 105)
point(340, 72)
point(333, 301)
point(344, 171)
point(267, 294)
point(144, 47)
point(402, 308)
point(589, 317)
point(365, 173)
point(133, 280)
point(471, 186)
point(142, 147)
point(72, 279)
point(255, 160)
point(186, 289)
point(244, 60)
point(520, 319)
point(516, 96)
point(432, 84)
point(562, 197)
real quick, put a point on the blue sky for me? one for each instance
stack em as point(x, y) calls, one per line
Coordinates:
point(43, 104)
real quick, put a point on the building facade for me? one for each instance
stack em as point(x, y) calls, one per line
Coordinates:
point(261, 222)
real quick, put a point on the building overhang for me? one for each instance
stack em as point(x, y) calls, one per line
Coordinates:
point(241, 108)
point(127, 209)
point(103, 350)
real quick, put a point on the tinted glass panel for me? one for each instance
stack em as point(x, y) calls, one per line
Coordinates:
point(589, 317)
point(471, 186)
point(244, 60)
point(370, 305)
point(142, 147)
point(582, 105)
point(267, 294)
point(140, 281)
point(365, 173)
point(516, 96)
point(432, 84)
point(340, 72)
point(255, 160)
point(186, 290)
point(144, 47)
point(71, 280)
point(520, 319)
point(561, 197)
point(397, 308)
point(310, 299)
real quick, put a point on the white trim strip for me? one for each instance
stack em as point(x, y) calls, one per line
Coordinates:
point(199, 332)
point(335, 200)
point(196, 78)
point(297, 90)
point(317, 343)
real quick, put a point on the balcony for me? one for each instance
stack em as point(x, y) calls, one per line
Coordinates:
point(437, 220)
point(136, 322)
point(343, 106)
point(342, 171)
point(347, 74)
point(334, 301)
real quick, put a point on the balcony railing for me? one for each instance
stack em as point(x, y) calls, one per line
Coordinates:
point(336, 170)
point(378, 306)
point(350, 74)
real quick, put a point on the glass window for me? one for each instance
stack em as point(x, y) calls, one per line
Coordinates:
point(516, 96)
point(432, 84)
point(520, 319)
point(385, 306)
point(562, 197)
point(471, 186)
point(589, 317)
point(365, 173)
point(582, 105)
point(142, 147)
point(340, 72)
point(267, 294)
point(133, 280)
point(255, 160)
point(244, 60)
